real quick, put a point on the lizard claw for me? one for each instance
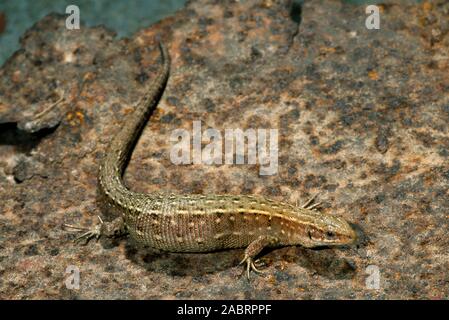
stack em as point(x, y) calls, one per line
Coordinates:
point(88, 234)
point(250, 265)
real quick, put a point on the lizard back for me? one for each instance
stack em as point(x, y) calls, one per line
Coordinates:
point(198, 223)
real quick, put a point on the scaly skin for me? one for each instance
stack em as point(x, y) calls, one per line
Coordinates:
point(202, 223)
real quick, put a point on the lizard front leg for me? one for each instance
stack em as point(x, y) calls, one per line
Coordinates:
point(252, 251)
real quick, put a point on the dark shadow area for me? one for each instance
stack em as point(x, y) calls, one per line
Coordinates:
point(321, 260)
point(325, 262)
point(362, 237)
point(24, 141)
point(182, 264)
point(296, 11)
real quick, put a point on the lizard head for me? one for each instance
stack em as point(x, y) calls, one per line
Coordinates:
point(328, 230)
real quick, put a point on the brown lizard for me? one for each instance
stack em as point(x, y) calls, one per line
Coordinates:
point(203, 223)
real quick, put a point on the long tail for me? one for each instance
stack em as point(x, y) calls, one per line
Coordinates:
point(121, 146)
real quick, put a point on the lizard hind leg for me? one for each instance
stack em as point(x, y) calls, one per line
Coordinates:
point(251, 252)
point(111, 229)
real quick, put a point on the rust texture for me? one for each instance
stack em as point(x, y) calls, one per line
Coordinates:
point(362, 118)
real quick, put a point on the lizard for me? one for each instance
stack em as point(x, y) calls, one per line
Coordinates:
point(197, 222)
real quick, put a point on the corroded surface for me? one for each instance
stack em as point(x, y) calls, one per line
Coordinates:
point(362, 117)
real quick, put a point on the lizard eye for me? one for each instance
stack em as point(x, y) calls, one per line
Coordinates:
point(330, 234)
